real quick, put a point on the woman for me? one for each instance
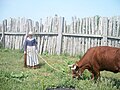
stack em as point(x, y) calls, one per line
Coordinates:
point(30, 51)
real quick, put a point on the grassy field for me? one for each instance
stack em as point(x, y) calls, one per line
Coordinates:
point(13, 76)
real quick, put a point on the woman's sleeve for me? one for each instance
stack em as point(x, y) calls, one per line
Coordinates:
point(25, 45)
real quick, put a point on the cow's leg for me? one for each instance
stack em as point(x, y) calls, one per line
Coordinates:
point(96, 74)
point(119, 67)
point(92, 76)
point(96, 70)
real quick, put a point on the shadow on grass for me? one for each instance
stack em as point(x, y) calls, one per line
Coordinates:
point(40, 65)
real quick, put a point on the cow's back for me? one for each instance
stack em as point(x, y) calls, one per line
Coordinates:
point(106, 58)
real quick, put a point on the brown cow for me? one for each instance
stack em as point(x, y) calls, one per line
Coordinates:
point(97, 59)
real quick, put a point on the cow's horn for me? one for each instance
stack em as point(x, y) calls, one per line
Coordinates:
point(70, 65)
point(73, 68)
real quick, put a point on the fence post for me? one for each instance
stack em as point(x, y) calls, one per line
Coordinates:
point(59, 38)
point(105, 29)
point(4, 28)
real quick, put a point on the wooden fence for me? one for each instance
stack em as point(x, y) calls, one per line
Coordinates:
point(56, 36)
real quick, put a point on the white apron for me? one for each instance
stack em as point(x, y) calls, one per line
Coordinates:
point(32, 58)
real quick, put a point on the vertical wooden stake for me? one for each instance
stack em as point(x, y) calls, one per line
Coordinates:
point(59, 38)
point(3, 30)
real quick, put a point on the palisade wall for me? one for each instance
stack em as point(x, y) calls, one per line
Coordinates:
point(56, 36)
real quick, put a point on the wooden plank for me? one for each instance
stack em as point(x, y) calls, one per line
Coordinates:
point(119, 43)
point(96, 18)
point(80, 29)
point(82, 39)
point(113, 43)
point(109, 42)
point(41, 44)
point(55, 22)
point(11, 40)
point(95, 42)
point(92, 25)
point(77, 46)
point(68, 45)
point(59, 38)
point(118, 27)
point(71, 46)
point(65, 27)
point(114, 26)
point(37, 26)
point(14, 38)
point(84, 26)
point(78, 25)
point(8, 25)
point(45, 43)
point(21, 43)
point(4, 28)
point(18, 24)
point(88, 43)
point(74, 45)
point(64, 44)
point(115, 38)
point(22, 25)
point(100, 26)
point(98, 42)
point(80, 46)
point(16, 42)
point(92, 42)
point(87, 23)
point(6, 41)
point(105, 21)
point(75, 24)
point(53, 46)
point(38, 43)
point(116, 43)
point(48, 46)
point(50, 24)
point(46, 29)
point(23, 33)
point(41, 26)
point(71, 26)
point(82, 35)
point(110, 27)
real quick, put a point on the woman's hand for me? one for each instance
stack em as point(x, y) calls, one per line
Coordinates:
point(25, 52)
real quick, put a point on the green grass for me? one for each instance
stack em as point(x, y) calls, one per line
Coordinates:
point(13, 76)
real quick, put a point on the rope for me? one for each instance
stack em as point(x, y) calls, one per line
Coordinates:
point(52, 66)
point(48, 63)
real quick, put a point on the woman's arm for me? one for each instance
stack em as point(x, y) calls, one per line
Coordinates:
point(25, 46)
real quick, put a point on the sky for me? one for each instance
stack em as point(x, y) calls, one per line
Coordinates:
point(36, 9)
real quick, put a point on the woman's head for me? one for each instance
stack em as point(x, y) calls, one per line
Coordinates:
point(30, 34)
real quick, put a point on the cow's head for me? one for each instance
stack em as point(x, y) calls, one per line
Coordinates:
point(75, 70)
